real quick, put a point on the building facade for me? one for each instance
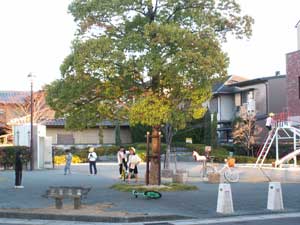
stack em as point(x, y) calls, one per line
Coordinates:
point(256, 97)
point(293, 82)
point(102, 134)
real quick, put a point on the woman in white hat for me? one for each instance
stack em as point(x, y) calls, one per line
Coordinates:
point(92, 157)
point(133, 161)
point(269, 121)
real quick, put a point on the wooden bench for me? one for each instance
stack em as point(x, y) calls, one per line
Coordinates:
point(61, 192)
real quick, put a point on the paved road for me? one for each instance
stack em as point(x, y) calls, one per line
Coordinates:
point(277, 219)
point(248, 198)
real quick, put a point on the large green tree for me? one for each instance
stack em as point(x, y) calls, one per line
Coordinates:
point(149, 61)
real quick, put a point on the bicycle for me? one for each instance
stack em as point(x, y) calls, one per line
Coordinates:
point(147, 194)
point(230, 174)
point(124, 174)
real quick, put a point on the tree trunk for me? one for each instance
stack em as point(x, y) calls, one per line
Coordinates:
point(154, 175)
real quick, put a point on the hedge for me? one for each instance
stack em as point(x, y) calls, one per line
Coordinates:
point(61, 159)
point(220, 153)
point(8, 155)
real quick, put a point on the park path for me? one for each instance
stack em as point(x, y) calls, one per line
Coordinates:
point(249, 196)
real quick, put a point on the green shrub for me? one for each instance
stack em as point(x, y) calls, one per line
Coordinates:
point(8, 155)
point(244, 159)
point(83, 153)
point(143, 156)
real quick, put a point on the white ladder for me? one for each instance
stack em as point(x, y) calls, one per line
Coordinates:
point(266, 148)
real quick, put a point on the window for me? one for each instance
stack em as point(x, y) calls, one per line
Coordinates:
point(250, 95)
point(65, 139)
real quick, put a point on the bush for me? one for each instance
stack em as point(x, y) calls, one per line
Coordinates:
point(245, 159)
point(60, 160)
point(142, 147)
point(82, 154)
point(143, 156)
point(8, 155)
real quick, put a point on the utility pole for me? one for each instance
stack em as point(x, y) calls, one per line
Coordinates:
point(30, 76)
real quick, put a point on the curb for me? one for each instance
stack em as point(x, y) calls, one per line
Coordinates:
point(85, 218)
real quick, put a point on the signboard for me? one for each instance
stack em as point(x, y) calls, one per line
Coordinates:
point(189, 140)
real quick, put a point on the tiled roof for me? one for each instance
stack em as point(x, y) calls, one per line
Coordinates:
point(222, 87)
point(13, 96)
point(257, 80)
point(61, 122)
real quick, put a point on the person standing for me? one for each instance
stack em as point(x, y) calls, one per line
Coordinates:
point(68, 158)
point(269, 122)
point(18, 170)
point(122, 159)
point(92, 157)
point(133, 161)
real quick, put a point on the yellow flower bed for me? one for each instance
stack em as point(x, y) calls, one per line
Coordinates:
point(60, 160)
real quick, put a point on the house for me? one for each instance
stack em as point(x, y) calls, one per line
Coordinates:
point(257, 97)
point(102, 133)
point(10, 107)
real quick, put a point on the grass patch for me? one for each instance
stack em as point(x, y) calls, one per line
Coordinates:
point(164, 187)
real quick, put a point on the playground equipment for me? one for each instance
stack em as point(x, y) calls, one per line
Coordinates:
point(286, 129)
point(230, 173)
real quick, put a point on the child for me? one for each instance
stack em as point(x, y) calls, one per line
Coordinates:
point(92, 157)
point(68, 158)
point(133, 161)
point(122, 159)
point(269, 121)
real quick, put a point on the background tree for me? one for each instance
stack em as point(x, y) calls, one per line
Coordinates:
point(214, 126)
point(21, 113)
point(118, 140)
point(149, 61)
point(207, 128)
point(244, 133)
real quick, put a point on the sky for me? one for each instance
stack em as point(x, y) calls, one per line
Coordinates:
point(36, 36)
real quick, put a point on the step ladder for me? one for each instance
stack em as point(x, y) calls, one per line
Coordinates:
point(265, 148)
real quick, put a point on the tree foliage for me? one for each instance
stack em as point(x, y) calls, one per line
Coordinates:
point(244, 132)
point(151, 62)
point(214, 126)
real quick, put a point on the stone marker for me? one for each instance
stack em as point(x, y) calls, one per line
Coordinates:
point(225, 204)
point(275, 201)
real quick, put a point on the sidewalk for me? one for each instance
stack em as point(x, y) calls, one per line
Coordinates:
point(248, 197)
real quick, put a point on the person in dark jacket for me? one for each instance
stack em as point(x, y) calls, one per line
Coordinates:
point(18, 170)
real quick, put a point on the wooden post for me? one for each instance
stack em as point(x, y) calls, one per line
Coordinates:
point(77, 202)
point(159, 164)
point(58, 202)
point(148, 158)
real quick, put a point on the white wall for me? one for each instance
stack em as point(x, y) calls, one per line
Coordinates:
point(91, 136)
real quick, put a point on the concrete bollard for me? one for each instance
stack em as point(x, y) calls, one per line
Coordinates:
point(275, 201)
point(225, 204)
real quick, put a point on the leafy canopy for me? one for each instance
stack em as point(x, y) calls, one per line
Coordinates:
point(149, 61)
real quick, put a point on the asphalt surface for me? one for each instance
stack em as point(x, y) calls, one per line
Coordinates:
point(249, 195)
point(288, 219)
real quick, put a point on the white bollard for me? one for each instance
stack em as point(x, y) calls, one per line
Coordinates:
point(275, 201)
point(225, 204)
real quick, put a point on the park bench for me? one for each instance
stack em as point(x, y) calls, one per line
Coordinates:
point(62, 192)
